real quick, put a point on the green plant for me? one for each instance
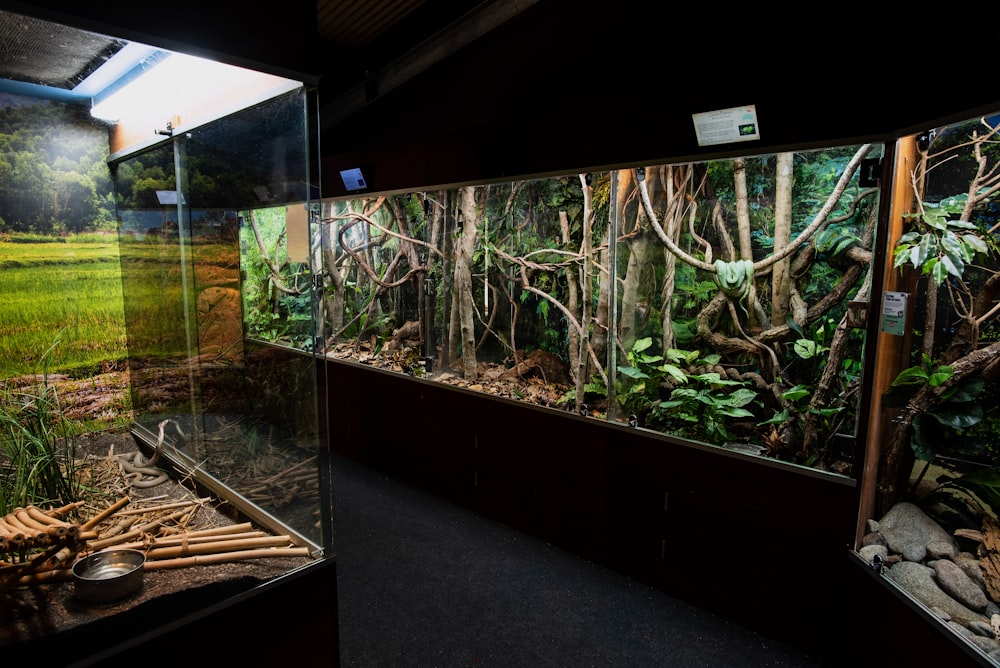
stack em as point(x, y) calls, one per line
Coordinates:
point(700, 405)
point(939, 246)
point(37, 448)
point(643, 373)
point(703, 412)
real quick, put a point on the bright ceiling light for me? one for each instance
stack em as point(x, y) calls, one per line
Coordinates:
point(179, 82)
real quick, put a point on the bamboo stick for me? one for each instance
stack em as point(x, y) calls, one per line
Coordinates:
point(22, 516)
point(215, 547)
point(225, 557)
point(44, 517)
point(165, 506)
point(145, 528)
point(67, 509)
point(187, 539)
point(100, 517)
point(15, 537)
point(216, 531)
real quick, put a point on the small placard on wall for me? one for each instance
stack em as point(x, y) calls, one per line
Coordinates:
point(297, 233)
point(894, 313)
point(725, 126)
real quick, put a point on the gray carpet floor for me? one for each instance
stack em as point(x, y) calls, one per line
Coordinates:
point(425, 583)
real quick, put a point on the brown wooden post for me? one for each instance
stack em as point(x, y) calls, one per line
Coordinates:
point(892, 352)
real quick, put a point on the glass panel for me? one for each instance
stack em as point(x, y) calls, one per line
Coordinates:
point(735, 279)
point(247, 419)
point(731, 314)
point(938, 462)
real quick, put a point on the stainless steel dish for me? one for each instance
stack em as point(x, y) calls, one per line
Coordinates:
point(109, 575)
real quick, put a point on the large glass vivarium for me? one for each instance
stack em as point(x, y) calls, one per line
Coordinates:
point(719, 303)
point(239, 411)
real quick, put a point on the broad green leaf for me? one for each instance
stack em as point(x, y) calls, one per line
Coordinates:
point(925, 250)
point(631, 372)
point(975, 243)
point(796, 393)
point(958, 416)
point(805, 348)
point(674, 372)
point(965, 391)
point(912, 376)
point(953, 265)
point(902, 257)
point(733, 411)
point(642, 344)
point(940, 375)
point(939, 272)
point(742, 397)
point(777, 418)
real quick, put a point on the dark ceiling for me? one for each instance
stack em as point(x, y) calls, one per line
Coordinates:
point(459, 90)
point(354, 49)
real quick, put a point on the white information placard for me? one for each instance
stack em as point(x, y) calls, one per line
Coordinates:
point(894, 313)
point(725, 126)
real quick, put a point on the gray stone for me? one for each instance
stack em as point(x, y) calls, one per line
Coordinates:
point(971, 567)
point(869, 552)
point(983, 629)
point(918, 580)
point(874, 538)
point(959, 586)
point(937, 549)
point(908, 531)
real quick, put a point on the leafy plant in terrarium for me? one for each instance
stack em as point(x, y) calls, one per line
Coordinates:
point(705, 409)
point(940, 247)
point(957, 500)
point(699, 406)
point(642, 374)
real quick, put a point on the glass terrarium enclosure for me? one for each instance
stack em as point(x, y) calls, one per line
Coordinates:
point(716, 303)
point(213, 222)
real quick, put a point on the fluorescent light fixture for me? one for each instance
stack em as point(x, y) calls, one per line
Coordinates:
point(179, 82)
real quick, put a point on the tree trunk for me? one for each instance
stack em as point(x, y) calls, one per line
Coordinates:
point(782, 237)
point(572, 300)
point(463, 280)
point(587, 253)
point(634, 308)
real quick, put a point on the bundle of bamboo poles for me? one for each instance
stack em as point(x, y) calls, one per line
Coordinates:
point(37, 546)
point(33, 540)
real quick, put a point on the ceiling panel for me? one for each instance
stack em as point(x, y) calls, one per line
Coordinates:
point(50, 54)
point(356, 23)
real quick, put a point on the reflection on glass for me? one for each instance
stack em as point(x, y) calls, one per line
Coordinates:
point(241, 411)
point(710, 298)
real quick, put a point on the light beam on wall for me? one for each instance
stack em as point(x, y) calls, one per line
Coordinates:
point(180, 82)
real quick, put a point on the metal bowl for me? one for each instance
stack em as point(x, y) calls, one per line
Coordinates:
point(109, 575)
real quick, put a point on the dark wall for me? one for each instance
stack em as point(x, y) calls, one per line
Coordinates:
point(562, 88)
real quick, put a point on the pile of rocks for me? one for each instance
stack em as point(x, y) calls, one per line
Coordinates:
point(924, 560)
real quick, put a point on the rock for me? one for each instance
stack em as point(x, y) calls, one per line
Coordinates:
point(869, 552)
point(908, 531)
point(938, 549)
point(918, 580)
point(983, 629)
point(970, 566)
point(959, 586)
point(874, 538)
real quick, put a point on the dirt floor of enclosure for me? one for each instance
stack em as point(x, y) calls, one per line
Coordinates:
point(30, 612)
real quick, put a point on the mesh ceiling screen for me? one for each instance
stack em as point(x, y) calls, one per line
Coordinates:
point(50, 54)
